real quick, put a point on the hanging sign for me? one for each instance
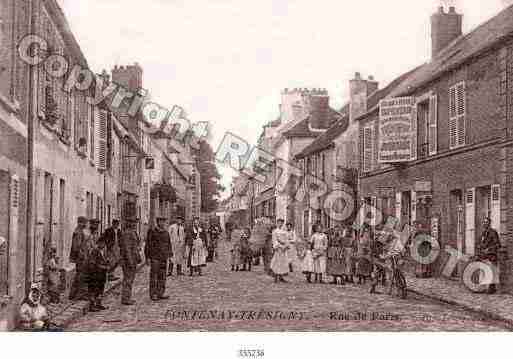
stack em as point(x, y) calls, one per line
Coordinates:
point(396, 130)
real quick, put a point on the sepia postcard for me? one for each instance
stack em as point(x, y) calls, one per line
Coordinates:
point(241, 166)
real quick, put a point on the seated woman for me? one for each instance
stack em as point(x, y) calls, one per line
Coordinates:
point(33, 315)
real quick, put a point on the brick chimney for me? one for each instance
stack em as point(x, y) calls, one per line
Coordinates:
point(319, 109)
point(445, 27)
point(359, 90)
point(128, 76)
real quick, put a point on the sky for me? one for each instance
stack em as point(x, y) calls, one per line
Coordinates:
point(226, 61)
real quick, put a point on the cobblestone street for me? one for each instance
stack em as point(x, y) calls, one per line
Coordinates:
point(312, 307)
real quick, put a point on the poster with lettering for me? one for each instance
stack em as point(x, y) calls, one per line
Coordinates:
point(396, 140)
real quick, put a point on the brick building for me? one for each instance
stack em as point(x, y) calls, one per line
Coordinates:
point(456, 169)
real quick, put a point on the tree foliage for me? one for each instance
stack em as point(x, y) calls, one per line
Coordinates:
point(210, 177)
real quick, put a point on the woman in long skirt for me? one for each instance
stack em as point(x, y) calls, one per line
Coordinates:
point(280, 261)
point(236, 252)
point(291, 253)
point(319, 251)
point(363, 264)
point(335, 265)
point(196, 247)
point(349, 258)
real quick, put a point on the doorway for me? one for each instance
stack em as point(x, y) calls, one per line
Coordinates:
point(406, 208)
point(456, 226)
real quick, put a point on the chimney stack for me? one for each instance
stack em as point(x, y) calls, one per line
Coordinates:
point(359, 90)
point(445, 27)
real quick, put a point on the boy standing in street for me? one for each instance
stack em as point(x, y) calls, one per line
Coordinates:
point(97, 275)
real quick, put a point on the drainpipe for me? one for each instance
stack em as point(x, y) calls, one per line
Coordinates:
point(30, 160)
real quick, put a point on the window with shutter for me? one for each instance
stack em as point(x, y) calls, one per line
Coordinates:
point(101, 141)
point(368, 148)
point(460, 101)
point(457, 112)
point(91, 116)
point(432, 127)
point(452, 118)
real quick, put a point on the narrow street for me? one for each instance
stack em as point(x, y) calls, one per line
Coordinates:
point(222, 300)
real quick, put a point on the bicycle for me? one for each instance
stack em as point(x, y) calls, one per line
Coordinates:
point(398, 280)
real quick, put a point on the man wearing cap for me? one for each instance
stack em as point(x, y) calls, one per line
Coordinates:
point(158, 251)
point(79, 286)
point(94, 229)
point(177, 234)
point(130, 258)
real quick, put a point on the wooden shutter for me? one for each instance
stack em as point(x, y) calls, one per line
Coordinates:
point(495, 207)
point(368, 148)
point(398, 204)
point(453, 132)
point(457, 112)
point(460, 111)
point(414, 119)
point(14, 210)
point(470, 221)
point(91, 114)
point(101, 141)
point(432, 125)
point(413, 207)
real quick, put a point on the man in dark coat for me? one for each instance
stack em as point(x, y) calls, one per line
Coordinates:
point(112, 235)
point(489, 248)
point(130, 258)
point(213, 232)
point(79, 286)
point(158, 251)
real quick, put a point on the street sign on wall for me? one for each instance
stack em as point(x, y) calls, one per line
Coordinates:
point(397, 130)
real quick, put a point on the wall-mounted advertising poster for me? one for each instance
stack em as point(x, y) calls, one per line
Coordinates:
point(396, 130)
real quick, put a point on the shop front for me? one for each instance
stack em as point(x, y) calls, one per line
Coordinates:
point(448, 197)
